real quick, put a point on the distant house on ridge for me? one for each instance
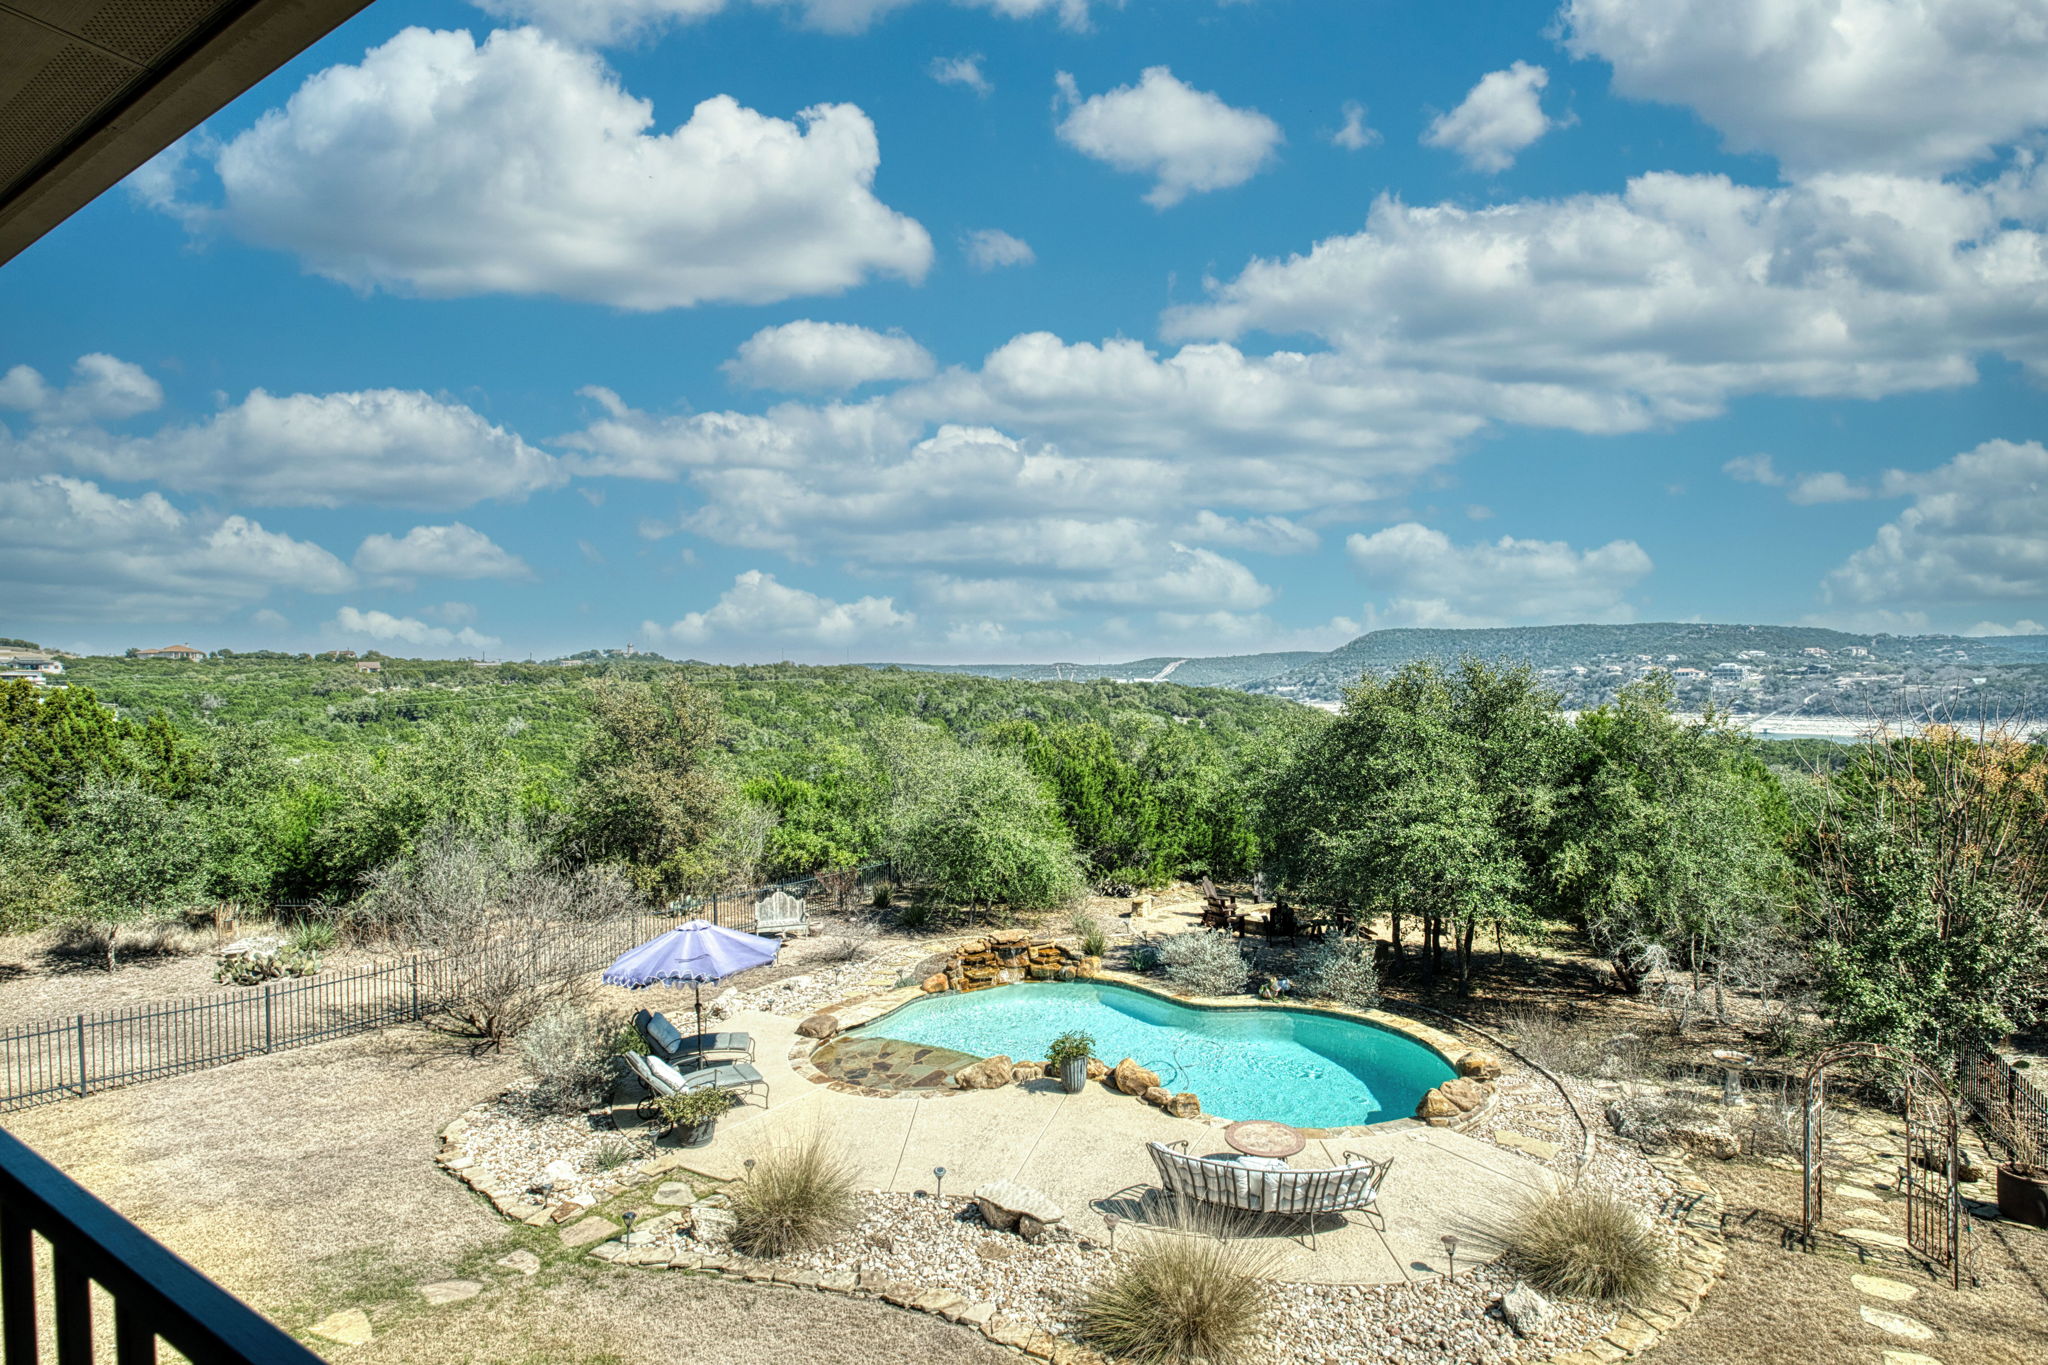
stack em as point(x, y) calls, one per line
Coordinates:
point(182, 653)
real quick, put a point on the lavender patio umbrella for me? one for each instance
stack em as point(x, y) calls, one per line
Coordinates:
point(696, 952)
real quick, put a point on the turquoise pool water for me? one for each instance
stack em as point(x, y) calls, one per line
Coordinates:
point(1310, 1070)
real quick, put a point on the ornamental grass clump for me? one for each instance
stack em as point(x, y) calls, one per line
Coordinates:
point(799, 1195)
point(1182, 1296)
point(1584, 1243)
point(1204, 963)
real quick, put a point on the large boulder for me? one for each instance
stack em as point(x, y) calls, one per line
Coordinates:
point(1027, 1071)
point(1464, 1092)
point(934, 983)
point(1157, 1095)
point(1008, 1206)
point(1527, 1311)
point(1435, 1107)
point(1480, 1067)
point(986, 1074)
point(818, 1026)
point(1185, 1105)
point(1133, 1079)
point(1097, 1070)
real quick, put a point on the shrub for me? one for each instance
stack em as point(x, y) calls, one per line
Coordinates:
point(568, 1052)
point(693, 1106)
point(613, 1154)
point(1204, 962)
point(1341, 969)
point(312, 936)
point(497, 914)
point(1181, 1297)
point(1586, 1244)
point(1092, 932)
point(798, 1196)
point(1068, 1046)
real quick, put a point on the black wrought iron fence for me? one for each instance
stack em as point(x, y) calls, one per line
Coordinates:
point(53, 1059)
point(2005, 1099)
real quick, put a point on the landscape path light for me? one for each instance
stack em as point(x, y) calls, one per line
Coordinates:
point(939, 1175)
point(1451, 1250)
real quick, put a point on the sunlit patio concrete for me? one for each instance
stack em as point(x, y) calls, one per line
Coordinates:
point(1088, 1152)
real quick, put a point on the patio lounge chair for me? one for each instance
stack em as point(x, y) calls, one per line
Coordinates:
point(666, 1041)
point(1255, 1186)
point(661, 1079)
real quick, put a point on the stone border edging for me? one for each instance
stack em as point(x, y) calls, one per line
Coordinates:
point(1585, 1129)
point(860, 1010)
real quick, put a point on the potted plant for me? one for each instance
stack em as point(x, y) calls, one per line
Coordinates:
point(1069, 1055)
point(692, 1115)
point(2022, 1181)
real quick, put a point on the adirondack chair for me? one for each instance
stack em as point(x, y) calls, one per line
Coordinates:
point(1215, 900)
point(780, 913)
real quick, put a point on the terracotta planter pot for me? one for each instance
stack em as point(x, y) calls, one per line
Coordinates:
point(2023, 1197)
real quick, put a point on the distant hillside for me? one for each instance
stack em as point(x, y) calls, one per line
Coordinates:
point(1695, 645)
point(1231, 670)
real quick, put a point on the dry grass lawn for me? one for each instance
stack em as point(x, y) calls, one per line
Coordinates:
point(1778, 1306)
point(305, 1183)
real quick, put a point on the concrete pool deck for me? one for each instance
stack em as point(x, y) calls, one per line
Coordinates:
point(1088, 1152)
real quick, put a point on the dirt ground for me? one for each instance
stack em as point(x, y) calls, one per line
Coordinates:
point(305, 1183)
point(1777, 1306)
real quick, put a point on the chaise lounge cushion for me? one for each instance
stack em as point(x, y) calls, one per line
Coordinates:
point(667, 1039)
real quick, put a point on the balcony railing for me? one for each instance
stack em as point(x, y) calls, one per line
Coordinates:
point(156, 1296)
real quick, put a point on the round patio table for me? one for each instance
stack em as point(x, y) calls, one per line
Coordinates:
point(1264, 1137)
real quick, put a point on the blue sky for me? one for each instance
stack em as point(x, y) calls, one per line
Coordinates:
point(986, 330)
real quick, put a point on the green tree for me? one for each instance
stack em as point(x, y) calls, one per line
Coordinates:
point(974, 826)
point(648, 795)
point(1930, 870)
point(53, 744)
point(129, 855)
point(1667, 838)
point(1389, 807)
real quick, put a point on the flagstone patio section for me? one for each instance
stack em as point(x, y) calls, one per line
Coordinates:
point(1087, 1151)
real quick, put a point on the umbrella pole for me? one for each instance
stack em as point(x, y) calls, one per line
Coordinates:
point(697, 989)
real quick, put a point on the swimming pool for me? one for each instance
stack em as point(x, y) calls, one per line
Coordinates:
point(1299, 1067)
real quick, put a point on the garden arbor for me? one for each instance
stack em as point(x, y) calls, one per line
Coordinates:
point(1935, 1227)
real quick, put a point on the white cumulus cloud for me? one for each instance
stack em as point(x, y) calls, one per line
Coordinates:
point(1427, 580)
point(102, 388)
point(1274, 535)
point(1188, 140)
point(1501, 116)
point(71, 550)
point(390, 446)
point(453, 551)
point(353, 626)
point(1354, 134)
point(615, 21)
point(1901, 85)
point(757, 608)
point(441, 167)
point(825, 356)
point(1975, 532)
point(963, 70)
point(992, 248)
point(1607, 312)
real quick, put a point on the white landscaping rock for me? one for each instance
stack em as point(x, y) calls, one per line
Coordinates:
point(1879, 1288)
point(1007, 1205)
point(349, 1327)
point(1527, 1311)
point(1897, 1324)
point(449, 1291)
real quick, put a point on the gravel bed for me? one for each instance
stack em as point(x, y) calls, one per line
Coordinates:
point(518, 1143)
point(808, 992)
point(1445, 1322)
